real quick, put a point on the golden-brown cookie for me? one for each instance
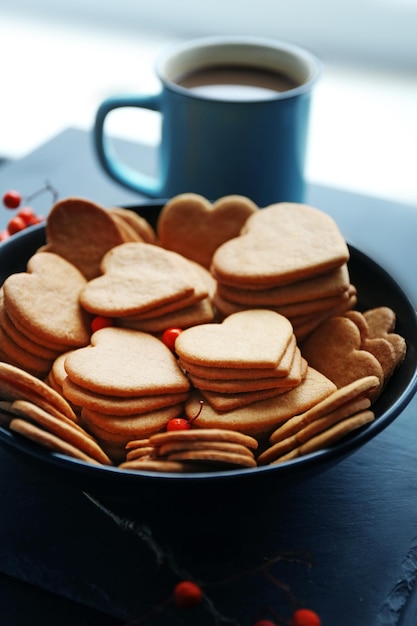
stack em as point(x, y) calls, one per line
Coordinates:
point(113, 432)
point(212, 434)
point(199, 313)
point(208, 450)
point(192, 226)
point(122, 362)
point(253, 338)
point(16, 355)
point(120, 405)
point(327, 285)
point(141, 277)
point(137, 222)
point(381, 323)
point(44, 301)
point(282, 369)
point(17, 384)
point(26, 343)
point(65, 429)
point(334, 349)
point(48, 440)
point(280, 244)
point(260, 418)
point(328, 437)
point(81, 232)
point(340, 399)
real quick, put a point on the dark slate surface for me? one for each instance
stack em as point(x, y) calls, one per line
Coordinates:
point(343, 542)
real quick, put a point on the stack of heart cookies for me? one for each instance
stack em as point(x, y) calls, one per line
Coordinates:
point(32, 409)
point(40, 313)
point(127, 383)
point(251, 355)
point(191, 450)
point(290, 258)
point(258, 419)
point(328, 421)
point(145, 287)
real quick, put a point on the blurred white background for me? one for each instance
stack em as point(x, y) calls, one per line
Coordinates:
point(60, 58)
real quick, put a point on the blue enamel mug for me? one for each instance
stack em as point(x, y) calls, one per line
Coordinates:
point(235, 116)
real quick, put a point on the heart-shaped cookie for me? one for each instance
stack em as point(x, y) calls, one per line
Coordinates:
point(140, 277)
point(334, 349)
point(89, 225)
point(255, 338)
point(280, 244)
point(194, 227)
point(44, 301)
point(122, 362)
point(381, 323)
point(380, 347)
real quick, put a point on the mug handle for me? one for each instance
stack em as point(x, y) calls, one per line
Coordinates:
point(114, 167)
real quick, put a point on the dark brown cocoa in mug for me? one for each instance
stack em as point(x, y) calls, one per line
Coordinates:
point(235, 82)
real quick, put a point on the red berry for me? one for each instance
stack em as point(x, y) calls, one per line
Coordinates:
point(15, 225)
point(12, 199)
point(35, 219)
point(178, 423)
point(99, 322)
point(26, 213)
point(187, 594)
point(169, 337)
point(29, 216)
point(305, 617)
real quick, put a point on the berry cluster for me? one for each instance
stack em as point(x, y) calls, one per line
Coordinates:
point(188, 594)
point(25, 215)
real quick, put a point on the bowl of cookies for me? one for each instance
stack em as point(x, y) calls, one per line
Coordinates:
point(186, 344)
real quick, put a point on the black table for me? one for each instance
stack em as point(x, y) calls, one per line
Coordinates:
point(343, 542)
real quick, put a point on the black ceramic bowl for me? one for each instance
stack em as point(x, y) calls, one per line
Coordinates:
point(133, 491)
